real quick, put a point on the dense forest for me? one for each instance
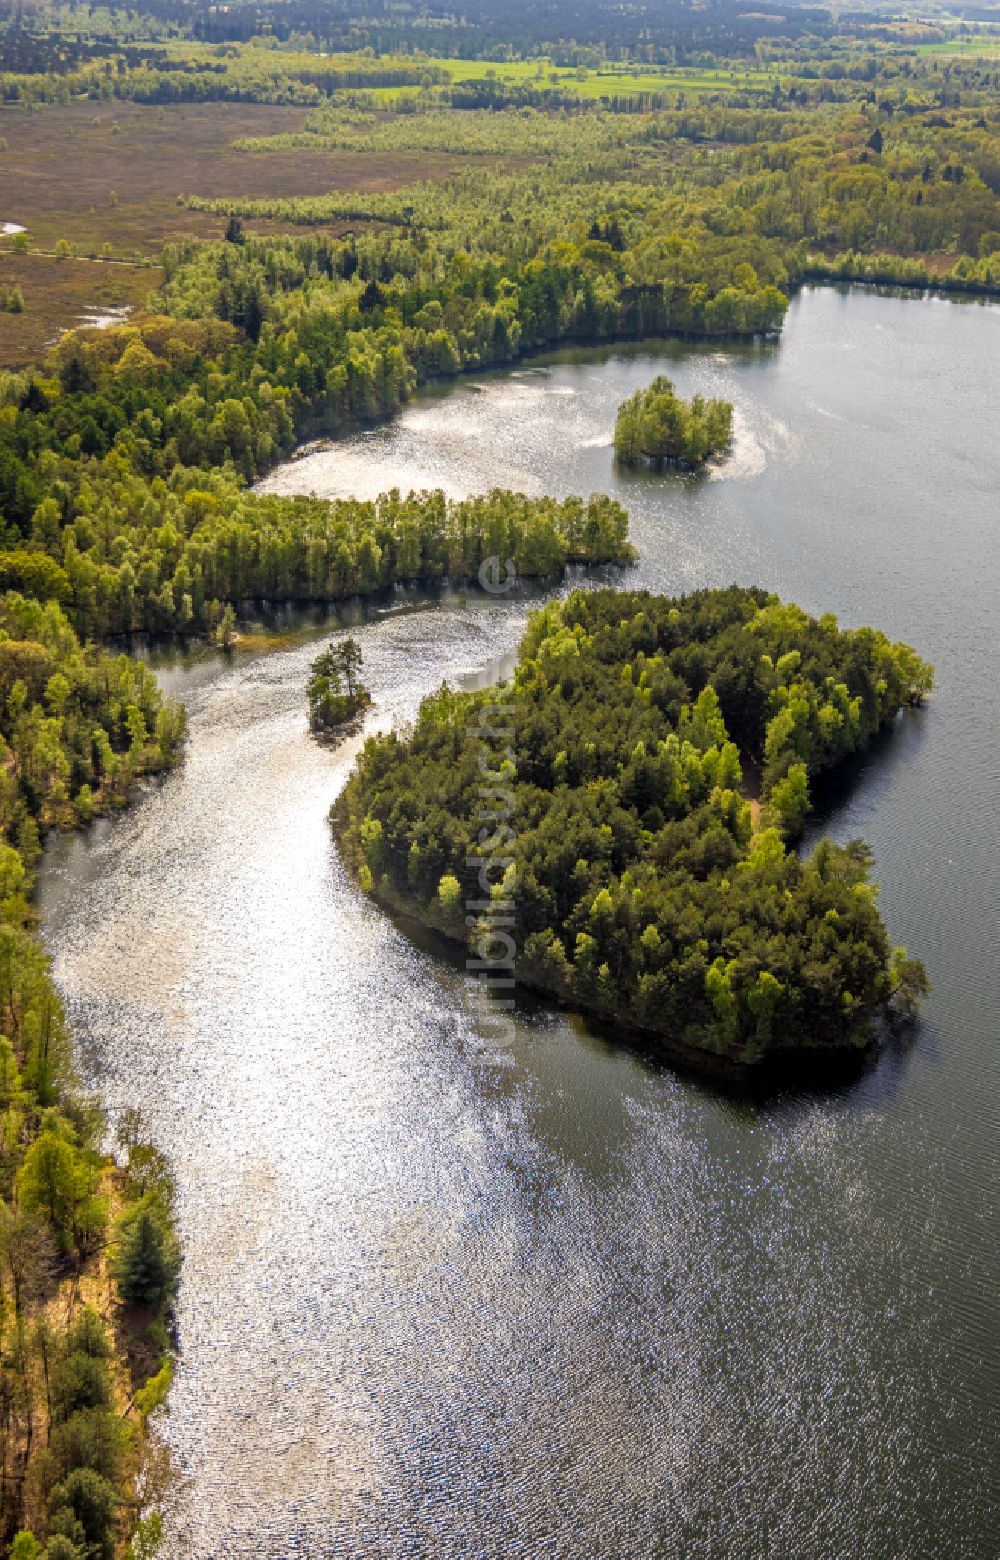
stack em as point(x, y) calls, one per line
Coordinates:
point(126, 456)
point(656, 424)
point(78, 726)
point(696, 189)
point(616, 837)
point(572, 29)
point(88, 1258)
point(170, 555)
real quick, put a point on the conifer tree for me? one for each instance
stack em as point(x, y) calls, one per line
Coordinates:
point(146, 1267)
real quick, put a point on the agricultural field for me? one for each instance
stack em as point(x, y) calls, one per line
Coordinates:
point(607, 81)
point(252, 65)
point(978, 47)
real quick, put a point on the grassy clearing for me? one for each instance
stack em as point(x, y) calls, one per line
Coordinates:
point(984, 46)
point(611, 77)
point(612, 81)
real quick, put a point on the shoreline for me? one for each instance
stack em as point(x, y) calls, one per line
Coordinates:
point(775, 1069)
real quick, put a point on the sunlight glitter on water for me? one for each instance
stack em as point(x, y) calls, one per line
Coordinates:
point(561, 1300)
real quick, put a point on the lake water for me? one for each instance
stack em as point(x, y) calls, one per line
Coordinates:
point(557, 1299)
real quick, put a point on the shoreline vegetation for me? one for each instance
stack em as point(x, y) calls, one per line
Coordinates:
point(88, 1254)
point(639, 885)
point(656, 426)
point(901, 271)
point(128, 457)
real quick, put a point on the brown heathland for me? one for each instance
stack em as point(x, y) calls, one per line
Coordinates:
point(97, 174)
point(58, 294)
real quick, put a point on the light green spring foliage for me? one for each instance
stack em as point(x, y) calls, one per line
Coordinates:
point(78, 726)
point(125, 467)
point(655, 424)
point(146, 1541)
point(694, 220)
point(639, 883)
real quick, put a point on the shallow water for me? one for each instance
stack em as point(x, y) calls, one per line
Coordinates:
point(556, 1299)
point(104, 319)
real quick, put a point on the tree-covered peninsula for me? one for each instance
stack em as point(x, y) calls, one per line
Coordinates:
point(656, 424)
point(614, 826)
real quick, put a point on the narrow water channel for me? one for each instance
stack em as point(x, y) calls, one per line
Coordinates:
point(558, 1299)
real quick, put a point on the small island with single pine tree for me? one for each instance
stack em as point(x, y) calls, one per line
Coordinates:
point(337, 697)
point(656, 425)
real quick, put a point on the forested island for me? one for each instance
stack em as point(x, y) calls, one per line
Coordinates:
point(657, 425)
point(598, 208)
point(642, 881)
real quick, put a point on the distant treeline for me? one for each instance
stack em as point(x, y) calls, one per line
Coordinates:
point(570, 30)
